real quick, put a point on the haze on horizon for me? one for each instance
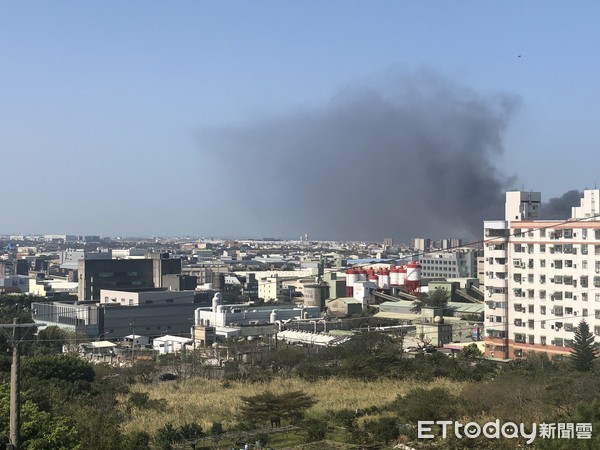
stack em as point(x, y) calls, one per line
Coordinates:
point(343, 120)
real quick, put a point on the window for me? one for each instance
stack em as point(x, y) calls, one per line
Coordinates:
point(584, 312)
point(597, 330)
point(530, 293)
point(542, 294)
point(584, 249)
point(584, 296)
point(568, 279)
point(517, 277)
point(542, 232)
point(583, 281)
point(558, 295)
point(542, 263)
point(543, 324)
point(557, 311)
point(530, 309)
point(584, 264)
point(568, 327)
point(543, 310)
point(542, 248)
point(597, 314)
point(558, 279)
point(558, 264)
point(558, 342)
point(543, 340)
point(568, 233)
point(530, 324)
point(542, 279)
point(596, 281)
point(597, 234)
point(596, 249)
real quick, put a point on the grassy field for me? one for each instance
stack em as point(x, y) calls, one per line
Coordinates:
point(205, 401)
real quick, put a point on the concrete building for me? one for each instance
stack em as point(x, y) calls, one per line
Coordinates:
point(248, 320)
point(269, 288)
point(97, 274)
point(150, 296)
point(171, 344)
point(20, 282)
point(422, 244)
point(459, 263)
point(541, 277)
point(42, 286)
point(147, 312)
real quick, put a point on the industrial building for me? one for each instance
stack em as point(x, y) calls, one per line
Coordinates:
point(456, 263)
point(541, 277)
point(249, 320)
point(97, 274)
point(361, 283)
point(148, 312)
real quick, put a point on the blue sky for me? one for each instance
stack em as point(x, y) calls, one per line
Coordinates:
point(102, 103)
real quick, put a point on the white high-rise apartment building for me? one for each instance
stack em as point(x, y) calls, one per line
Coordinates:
point(542, 277)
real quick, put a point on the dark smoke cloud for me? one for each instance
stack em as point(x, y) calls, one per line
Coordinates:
point(410, 157)
point(560, 207)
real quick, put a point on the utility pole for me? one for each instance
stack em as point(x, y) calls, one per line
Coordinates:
point(133, 342)
point(15, 409)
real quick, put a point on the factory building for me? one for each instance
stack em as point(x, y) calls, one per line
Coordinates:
point(150, 312)
point(541, 277)
point(459, 263)
point(361, 283)
point(249, 320)
point(97, 274)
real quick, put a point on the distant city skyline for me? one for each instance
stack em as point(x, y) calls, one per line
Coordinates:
point(350, 120)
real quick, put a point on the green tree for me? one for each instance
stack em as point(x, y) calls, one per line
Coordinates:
point(138, 440)
point(436, 299)
point(62, 367)
point(384, 429)
point(39, 429)
point(583, 351)
point(268, 406)
point(316, 429)
point(170, 435)
point(51, 339)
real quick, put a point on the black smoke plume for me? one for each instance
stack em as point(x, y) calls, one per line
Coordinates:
point(560, 207)
point(412, 156)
